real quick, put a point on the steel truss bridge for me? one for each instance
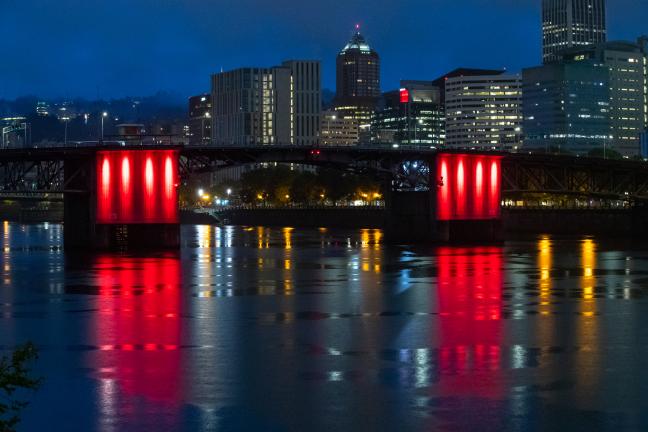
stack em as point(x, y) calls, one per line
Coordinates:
point(38, 172)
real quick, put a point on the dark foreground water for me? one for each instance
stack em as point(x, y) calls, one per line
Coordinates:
point(313, 330)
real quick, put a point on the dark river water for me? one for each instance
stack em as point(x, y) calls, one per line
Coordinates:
point(257, 329)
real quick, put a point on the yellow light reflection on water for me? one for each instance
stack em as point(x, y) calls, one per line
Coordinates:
point(205, 233)
point(287, 232)
point(365, 238)
point(587, 363)
point(288, 287)
point(263, 238)
point(545, 261)
point(588, 262)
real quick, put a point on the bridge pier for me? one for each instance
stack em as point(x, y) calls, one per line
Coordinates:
point(462, 203)
point(122, 199)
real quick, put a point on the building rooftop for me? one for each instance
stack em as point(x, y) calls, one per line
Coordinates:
point(357, 42)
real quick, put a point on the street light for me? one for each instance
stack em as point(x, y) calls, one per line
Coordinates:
point(66, 120)
point(103, 116)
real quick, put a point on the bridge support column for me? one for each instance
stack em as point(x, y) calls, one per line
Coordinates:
point(122, 199)
point(410, 217)
point(462, 204)
point(78, 203)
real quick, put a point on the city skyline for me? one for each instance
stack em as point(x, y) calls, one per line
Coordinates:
point(177, 49)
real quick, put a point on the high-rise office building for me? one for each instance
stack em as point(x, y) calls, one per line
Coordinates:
point(412, 115)
point(571, 23)
point(200, 120)
point(627, 63)
point(305, 102)
point(358, 82)
point(483, 110)
point(267, 106)
point(566, 107)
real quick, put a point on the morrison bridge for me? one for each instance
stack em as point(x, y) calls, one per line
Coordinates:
point(118, 193)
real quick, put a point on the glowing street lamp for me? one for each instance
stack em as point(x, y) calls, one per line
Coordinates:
point(103, 116)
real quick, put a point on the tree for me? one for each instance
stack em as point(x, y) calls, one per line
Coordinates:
point(605, 153)
point(15, 375)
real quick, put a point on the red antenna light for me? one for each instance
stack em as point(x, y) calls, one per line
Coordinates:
point(357, 26)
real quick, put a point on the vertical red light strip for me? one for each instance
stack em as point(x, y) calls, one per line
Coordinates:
point(478, 193)
point(444, 204)
point(169, 189)
point(495, 189)
point(460, 194)
point(126, 195)
point(149, 198)
point(104, 203)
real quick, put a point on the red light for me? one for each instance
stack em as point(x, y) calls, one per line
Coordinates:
point(460, 194)
point(169, 189)
point(495, 189)
point(466, 191)
point(137, 187)
point(126, 198)
point(404, 96)
point(444, 206)
point(104, 202)
point(478, 196)
point(149, 198)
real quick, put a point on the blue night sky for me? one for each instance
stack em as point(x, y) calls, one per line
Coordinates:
point(113, 48)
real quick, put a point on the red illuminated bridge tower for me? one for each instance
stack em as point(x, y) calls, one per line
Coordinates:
point(122, 198)
point(463, 203)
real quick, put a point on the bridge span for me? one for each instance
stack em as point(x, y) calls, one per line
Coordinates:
point(117, 194)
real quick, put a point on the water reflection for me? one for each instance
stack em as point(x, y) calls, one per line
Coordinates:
point(470, 320)
point(138, 332)
point(290, 329)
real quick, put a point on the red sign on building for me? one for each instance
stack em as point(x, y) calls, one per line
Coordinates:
point(404, 96)
point(137, 187)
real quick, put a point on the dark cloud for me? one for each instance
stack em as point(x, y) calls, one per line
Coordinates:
point(128, 47)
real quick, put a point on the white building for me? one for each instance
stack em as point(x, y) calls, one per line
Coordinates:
point(483, 111)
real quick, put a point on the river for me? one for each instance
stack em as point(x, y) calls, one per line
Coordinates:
point(270, 329)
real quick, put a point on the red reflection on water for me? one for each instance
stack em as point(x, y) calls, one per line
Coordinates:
point(138, 327)
point(470, 314)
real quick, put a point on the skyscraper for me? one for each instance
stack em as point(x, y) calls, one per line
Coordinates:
point(358, 81)
point(200, 121)
point(628, 80)
point(566, 107)
point(412, 115)
point(571, 23)
point(483, 110)
point(267, 106)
